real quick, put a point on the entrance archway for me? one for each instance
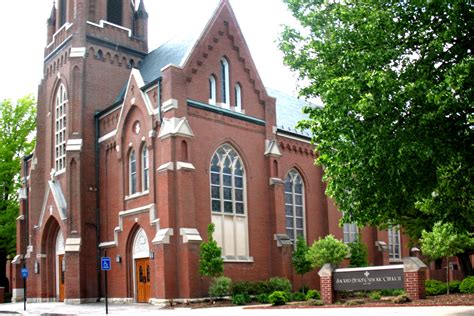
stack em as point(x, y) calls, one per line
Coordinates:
point(60, 266)
point(141, 267)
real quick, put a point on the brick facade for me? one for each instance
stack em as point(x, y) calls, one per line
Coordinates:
point(122, 98)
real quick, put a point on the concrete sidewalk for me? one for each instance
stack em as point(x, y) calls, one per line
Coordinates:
point(146, 309)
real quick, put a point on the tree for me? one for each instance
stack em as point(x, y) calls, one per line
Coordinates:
point(327, 250)
point(17, 122)
point(211, 263)
point(359, 254)
point(395, 133)
point(299, 260)
point(443, 242)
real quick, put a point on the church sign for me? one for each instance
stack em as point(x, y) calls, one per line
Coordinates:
point(368, 278)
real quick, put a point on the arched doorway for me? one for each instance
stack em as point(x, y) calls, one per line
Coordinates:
point(60, 266)
point(141, 267)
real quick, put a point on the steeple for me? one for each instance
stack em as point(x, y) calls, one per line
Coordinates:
point(140, 22)
point(51, 22)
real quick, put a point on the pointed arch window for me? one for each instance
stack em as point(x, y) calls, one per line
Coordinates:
point(225, 95)
point(350, 232)
point(238, 97)
point(145, 169)
point(394, 249)
point(228, 203)
point(132, 165)
point(60, 129)
point(212, 90)
point(294, 205)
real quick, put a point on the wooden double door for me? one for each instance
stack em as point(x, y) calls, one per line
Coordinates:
point(142, 277)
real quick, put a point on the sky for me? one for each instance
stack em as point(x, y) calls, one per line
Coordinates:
point(24, 37)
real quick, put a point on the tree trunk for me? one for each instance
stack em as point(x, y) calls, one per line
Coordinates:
point(3, 273)
point(466, 265)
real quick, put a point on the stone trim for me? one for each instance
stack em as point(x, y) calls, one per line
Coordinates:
point(190, 235)
point(163, 236)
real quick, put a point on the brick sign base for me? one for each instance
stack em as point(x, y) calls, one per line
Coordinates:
point(410, 276)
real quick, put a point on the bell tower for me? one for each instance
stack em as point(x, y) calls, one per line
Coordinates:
point(92, 45)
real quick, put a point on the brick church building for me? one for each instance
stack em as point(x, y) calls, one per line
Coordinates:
point(138, 151)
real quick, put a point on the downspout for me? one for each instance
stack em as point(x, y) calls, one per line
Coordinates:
point(97, 206)
point(25, 205)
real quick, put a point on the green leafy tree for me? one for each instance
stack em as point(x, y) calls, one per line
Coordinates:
point(395, 133)
point(211, 263)
point(301, 264)
point(327, 250)
point(17, 123)
point(443, 242)
point(359, 254)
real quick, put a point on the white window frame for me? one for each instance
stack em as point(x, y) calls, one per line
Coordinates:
point(212, 90)
point(60, 128)
point(145, 168)
point(350, 232)
point(220, 217)
point(132, 172)
point(225, 93)
point(293, 232)
point(238, 97)
point(394, 243)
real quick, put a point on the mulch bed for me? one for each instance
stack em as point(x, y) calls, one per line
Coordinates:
point(440, 300)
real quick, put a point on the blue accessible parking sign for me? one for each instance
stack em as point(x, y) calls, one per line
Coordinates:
point(24, 273)
point(105, 264)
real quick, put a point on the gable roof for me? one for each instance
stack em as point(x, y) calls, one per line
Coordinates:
point(289, 111)
point(176, 49)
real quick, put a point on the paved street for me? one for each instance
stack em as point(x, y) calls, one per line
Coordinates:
point(145, 309)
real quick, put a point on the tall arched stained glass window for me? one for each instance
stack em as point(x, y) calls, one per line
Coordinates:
point(225, 93)
point(145, 169)
point(294, 205)
point(133, 172)
point(228, 202)
point(60, 129)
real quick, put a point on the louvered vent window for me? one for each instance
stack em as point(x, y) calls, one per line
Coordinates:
point(114, 11)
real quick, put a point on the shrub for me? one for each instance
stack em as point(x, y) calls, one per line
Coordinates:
point(375, 296)
point(315, 302)
point(392, 292)
point(262, 298)
point(313, 294)
point(278, 298)
point(240, 299)
point(220, 287)
point(241, 287)
point(279, 284)
point(454, 286)
point(259, 287)
point(298, 296)
point(434, 287)
point(304, 289)
point(359, 254)
point(467, 285)
point(327, 250)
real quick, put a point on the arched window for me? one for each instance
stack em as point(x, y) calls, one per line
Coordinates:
point(294, 205)
point(238, 97)
point(225, 96)
point(145, 168)
point(212, 90)
point(394, 249)
point(62, 12)
point(132, 172)
point(350, 232)
point(60, 129)
point(228, 202)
